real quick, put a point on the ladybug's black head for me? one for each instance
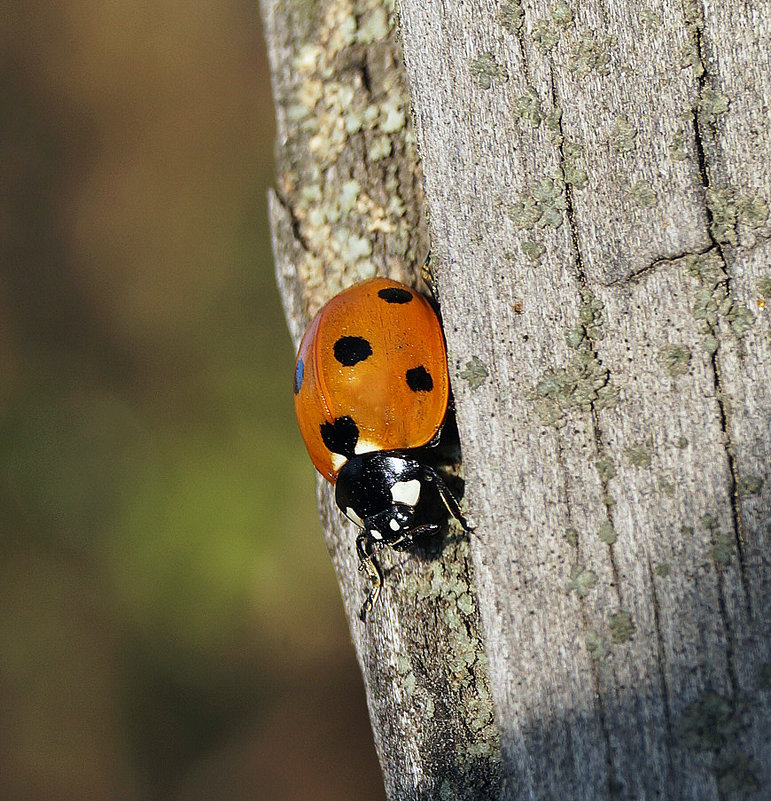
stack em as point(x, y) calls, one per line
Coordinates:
point(381, 492)
point(395, 499)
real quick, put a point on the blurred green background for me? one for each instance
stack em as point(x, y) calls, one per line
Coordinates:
point(169, 623)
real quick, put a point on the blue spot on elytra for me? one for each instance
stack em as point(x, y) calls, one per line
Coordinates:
point(299, 371)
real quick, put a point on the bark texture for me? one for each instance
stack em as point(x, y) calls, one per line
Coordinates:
point(349, 205)
point(599, 180)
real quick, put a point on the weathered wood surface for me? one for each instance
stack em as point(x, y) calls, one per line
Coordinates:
point(348, 204)
point(599, 179)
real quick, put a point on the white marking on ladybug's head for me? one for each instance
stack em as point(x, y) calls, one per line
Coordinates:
point(394, 525)
point(338, 460)
point(375, 534)
point(351, 515)
point(365, 446)
point(406, 492)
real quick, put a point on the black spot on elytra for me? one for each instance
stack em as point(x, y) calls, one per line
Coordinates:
point(393, 294)
point(340, 436)
point(352, 350)
point(419, 379)
point(299, 371)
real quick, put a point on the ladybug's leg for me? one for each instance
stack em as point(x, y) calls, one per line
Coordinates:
point(368, 563)
point(429, 279)
point(448, 499)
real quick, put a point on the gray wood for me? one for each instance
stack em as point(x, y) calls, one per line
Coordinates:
point(343, 117)
point(598, 181)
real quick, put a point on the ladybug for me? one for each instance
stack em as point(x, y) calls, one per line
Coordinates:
point(371, 392)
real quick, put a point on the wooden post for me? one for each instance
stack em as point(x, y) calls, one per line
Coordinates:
point(599, 180)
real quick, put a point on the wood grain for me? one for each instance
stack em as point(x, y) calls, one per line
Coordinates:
point(586, 257)
point(598, 183)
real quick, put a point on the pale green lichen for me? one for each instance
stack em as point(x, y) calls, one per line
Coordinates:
point(712, 301)
point(722, 551)
point(527, 107)
point(562, 14)
point(572, 173)
point(590, 316)
point(571, 536)
point(711, 343)
point(380, 148)
point(552, 120)
point(542, 206)
point(729, 209)
point(681, 443)
point(677, 148)
point(722, 206)
point(643, 194)
point(349, 194)
point(621, 627)
point(373, 27)
point(575, 336)
point(605, 469)
point(711, 722)
point(676, 359)
point(581, 581)
point(350, 246)
point(694, 18)
point(466, 604)
point(662, 570)
point(511, 17)
point(326, 109)
point(447, 588)
point(596, 645)
point(638, 456)
point(533, 250)
point(650, 19)
point(581, 385)
point(740, 319)
point(407, 679)
point(607, 533)
point(475, 373)
point(711, 105)
point(487, 70)
point(623, 135)
point(749, 485)
point(666, 485)
point(590, 53)
point(584, 384)
point(691, 57)
point(393, 116)
point(751, 211)
point(544, 36)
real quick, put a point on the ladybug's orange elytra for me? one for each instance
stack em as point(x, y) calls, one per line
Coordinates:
point(375, 354)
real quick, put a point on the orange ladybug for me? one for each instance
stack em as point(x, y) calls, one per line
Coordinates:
point(371, 390)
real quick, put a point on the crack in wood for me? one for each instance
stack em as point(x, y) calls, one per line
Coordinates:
point(597, 434)
point(735, 500)
point(583, 283)
point(639, 275)
point(598, 697)
point(660, 663)
point(293, 219)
